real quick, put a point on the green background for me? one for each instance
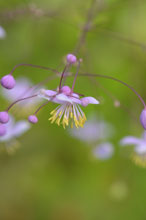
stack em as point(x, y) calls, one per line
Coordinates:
point(53, 176)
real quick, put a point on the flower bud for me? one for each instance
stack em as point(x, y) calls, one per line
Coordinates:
point(8, 81)
point(33, 119)
point(4, 117)
point(2, 130)
point(71, 58)
point(143, 118)
point(66, 90)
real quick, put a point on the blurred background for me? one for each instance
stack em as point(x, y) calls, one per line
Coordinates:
point(55, 174)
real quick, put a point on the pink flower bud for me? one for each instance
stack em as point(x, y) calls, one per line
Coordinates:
point(33, 119)
point(4, 117)
point(143, 118)
point(66, 90)
point(2, 130)
point(71, 58)
point(8, 81)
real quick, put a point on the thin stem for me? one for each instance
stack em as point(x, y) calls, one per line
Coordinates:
point(63, 73)
point(19, 100)
point(117, 80)
point(78, 67)
point(114, 98)
point(34, 66)
point(86, 27)
point(41, 107)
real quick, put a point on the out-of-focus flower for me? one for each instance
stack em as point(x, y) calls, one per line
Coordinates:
point(103, 151)
point(13, 130)
point(22, 89)
point(2, 33)
point(69, 109)
point(139, 154)
point(118, 191)
point(93, 131)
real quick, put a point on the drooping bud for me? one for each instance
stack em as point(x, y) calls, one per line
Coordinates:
point(8, 81)
point(71, 58)
point(4, 117)
point(2, 130)
point(143, 118)
point(33, 119)
point(66, 90)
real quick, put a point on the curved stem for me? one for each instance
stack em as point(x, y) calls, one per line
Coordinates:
point(41, 107)
point(117, 80)
point(19, 100)
point(62, 75)
point(78, 67)
point(34, 66)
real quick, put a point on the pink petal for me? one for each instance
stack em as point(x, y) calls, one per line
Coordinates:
point(130, 140)
point(89, 100)
point(62, 99)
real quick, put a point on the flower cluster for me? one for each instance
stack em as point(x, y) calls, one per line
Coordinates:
point(68, 112)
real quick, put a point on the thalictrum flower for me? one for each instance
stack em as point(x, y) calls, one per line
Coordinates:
point(13, 131)
point(139, 144)
point(69, 109)
point(22, 89)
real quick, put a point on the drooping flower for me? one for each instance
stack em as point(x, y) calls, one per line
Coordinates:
point(139, 155)
point(13, 130)
point(103, 151)
point(69, 110)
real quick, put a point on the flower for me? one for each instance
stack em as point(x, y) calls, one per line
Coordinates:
point(93, 131)
point(139, 155)
point(22, 89)
point(13, 131)
point(2, 33)
point(69, 109)
point(103, 151)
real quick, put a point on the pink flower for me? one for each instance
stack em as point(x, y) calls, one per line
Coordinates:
point(69, 109)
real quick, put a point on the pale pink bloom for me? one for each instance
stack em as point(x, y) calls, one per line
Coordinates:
point(69, 108)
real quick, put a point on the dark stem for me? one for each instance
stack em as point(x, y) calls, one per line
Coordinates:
point(41, 107)
point(19, 100)
point(62, 76)
point(117, 80)
point(78, 67)
point(86, 27)
point(32, 65)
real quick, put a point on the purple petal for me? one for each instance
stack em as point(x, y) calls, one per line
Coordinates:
point(89, 100)
point(141, 148)
point(20, 128)
point(130, 140)
point(62, 99)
